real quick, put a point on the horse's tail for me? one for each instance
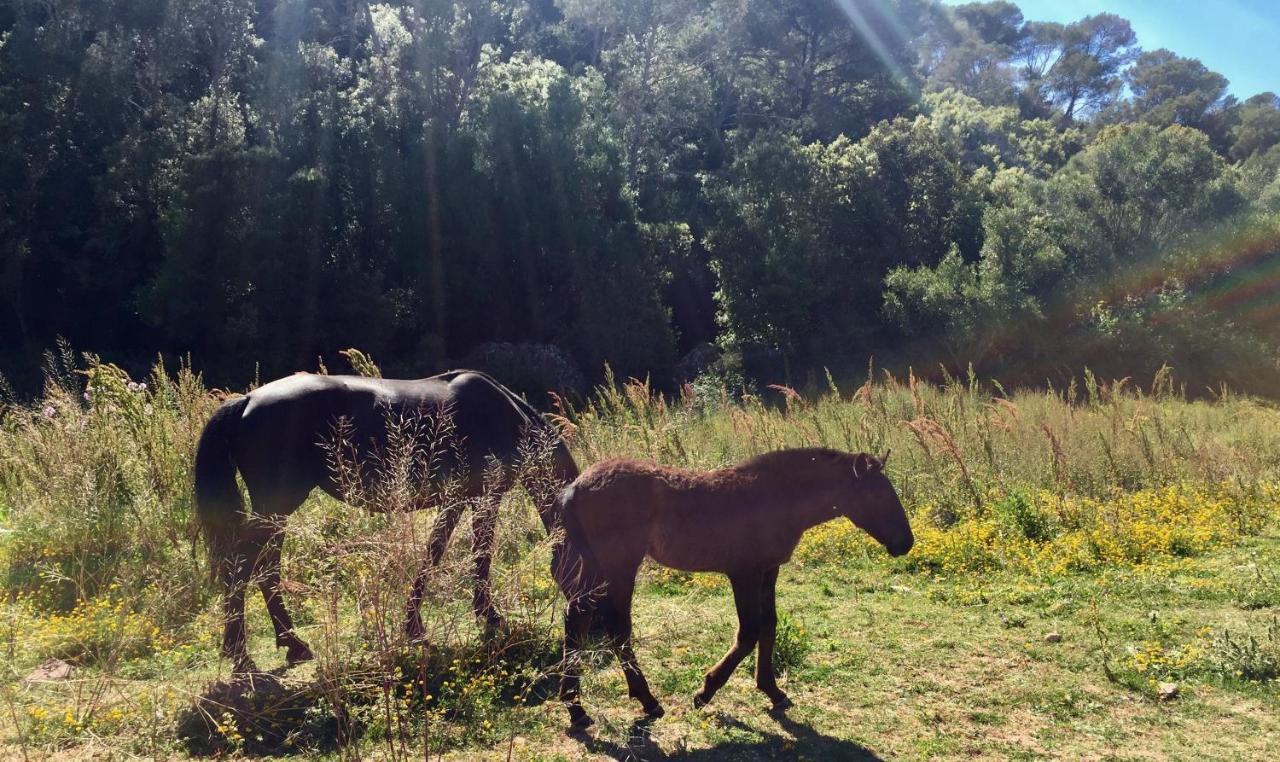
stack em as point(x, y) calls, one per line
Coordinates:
point(219, 508)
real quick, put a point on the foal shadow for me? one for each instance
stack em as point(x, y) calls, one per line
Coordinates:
point(804, 742)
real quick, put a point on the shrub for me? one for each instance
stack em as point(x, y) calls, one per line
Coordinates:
point(792, 644)
point(1246, 655)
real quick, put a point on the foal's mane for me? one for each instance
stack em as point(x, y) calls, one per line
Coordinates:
point(776, 466)
point(793, 457)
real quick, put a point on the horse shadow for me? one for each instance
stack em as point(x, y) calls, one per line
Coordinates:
point(804, 741)
point(262, 713)
point(278, 713)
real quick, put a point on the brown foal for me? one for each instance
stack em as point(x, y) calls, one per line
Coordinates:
point(743, 521)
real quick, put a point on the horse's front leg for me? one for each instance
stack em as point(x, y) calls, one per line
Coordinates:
point(445, 523)
point(746, 598)
point(484, 527)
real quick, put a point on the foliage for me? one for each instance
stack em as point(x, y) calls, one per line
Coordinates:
point(619, 182)
point(1247, 655)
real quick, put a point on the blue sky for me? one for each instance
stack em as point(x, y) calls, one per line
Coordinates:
point(1239, 38)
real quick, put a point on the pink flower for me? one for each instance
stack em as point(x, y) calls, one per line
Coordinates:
point(49, 411)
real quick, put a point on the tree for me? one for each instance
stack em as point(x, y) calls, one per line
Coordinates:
point(997, 137)
point(979, 42)
point(1086, 74)
point(1037, 50)
point(806, 234)
point(995, 22)
point(1138, 192)
point(970, 312)
point(1169, 89)
point(1258, 128)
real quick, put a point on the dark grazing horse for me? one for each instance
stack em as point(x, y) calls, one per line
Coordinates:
point(743, 521)
point(280, 437)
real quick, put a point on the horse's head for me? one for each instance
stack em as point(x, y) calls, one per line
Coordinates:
point(876, 508)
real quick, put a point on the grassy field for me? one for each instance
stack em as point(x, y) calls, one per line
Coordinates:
point(1096, 575)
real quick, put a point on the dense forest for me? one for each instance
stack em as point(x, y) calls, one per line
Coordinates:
point(756, 188)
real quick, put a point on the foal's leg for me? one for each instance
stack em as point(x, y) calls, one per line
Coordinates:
point(268, 574)
point(765, 678)
point(484, 526)
point(577, 620)
point(746, 598)
point(617, 621)
point(445, 523)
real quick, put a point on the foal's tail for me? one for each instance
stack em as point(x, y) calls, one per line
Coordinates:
point(219, 509)
point(574, 566)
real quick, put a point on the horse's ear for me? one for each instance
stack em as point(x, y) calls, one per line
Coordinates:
point(884, 459)
point(864, 464)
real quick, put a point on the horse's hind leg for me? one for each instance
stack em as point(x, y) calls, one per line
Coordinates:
point(234, 569)
point(765, 678)
point(268, 575)
point(746, 598)
point(446, 522)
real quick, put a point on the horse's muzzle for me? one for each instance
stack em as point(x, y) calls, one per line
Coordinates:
point(902, 548)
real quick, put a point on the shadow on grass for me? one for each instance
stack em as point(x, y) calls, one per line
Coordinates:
point(267, 713)
point(262, 713)
point(803, 742)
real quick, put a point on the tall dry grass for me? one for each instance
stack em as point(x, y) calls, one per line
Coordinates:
point(101, 569)
point(956, 442)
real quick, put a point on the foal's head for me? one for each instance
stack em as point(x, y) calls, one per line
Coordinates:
point(875, 507)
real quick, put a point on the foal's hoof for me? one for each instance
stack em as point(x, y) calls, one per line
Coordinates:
point(579, 719)
point(781, 704)
point(701, 699)
point(654, 711)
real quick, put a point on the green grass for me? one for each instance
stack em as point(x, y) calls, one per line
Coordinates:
point(1137, 526)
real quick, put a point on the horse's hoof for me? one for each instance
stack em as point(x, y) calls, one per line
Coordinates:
point(655, 711)
point(782, 704)
point(244, 668)
point(579, 719)
point(700, 699)
point(297, 654)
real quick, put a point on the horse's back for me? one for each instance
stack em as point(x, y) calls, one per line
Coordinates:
point(289, 424)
